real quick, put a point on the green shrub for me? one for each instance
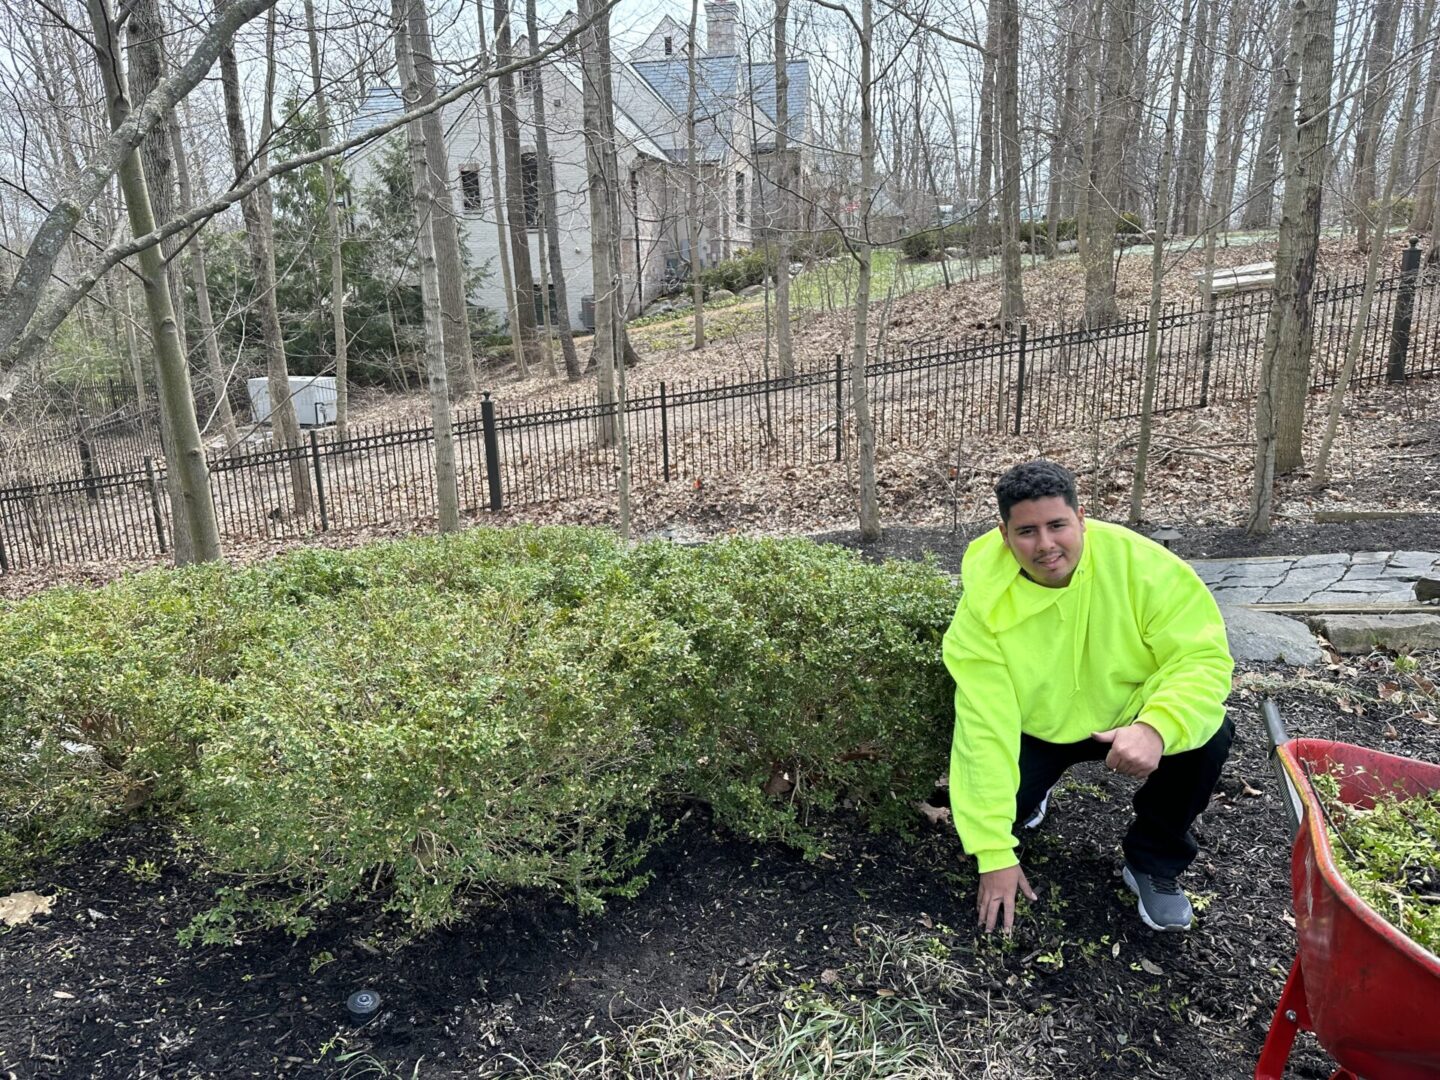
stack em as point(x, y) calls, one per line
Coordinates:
point(420, 722)
point(921, 245)
point(745, 269)
point(1129, 224)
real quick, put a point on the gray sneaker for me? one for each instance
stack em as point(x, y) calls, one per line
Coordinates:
point(1162, 904)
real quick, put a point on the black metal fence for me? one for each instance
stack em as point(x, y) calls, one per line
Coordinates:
point(1030, 383)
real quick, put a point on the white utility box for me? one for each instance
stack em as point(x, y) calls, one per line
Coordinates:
point(313, 395)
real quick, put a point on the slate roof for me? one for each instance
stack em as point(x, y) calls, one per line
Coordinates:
point(651, 103)
point(720, 85)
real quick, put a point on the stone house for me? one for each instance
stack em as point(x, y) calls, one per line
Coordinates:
point(735, 154)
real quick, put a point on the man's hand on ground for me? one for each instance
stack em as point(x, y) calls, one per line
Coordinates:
point(1135, 749)
point(996, 901)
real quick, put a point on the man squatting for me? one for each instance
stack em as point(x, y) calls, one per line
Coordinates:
point(1078, 640)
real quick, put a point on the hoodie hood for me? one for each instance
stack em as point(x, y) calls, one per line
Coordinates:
point(1000, 596)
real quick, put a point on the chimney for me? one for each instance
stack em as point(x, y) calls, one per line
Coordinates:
point(720, 19)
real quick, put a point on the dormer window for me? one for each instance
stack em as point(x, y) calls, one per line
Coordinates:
point(669, 45)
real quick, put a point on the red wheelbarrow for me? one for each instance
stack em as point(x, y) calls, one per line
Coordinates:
point(1369, 993)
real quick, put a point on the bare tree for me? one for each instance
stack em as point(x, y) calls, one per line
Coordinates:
point(454, 311)
point(1007, 92)
point(204, 315)
point(515, 197)
point(497, 202)
point(785, 183)
point(1285, 364)
point(259, 236)
point(550, 210)
point(692, 180)
point(195, 512)
point(19, 303)
point(1112, 127)
point(429, 209)
point(332, 237)
point(1157, 273)
point(1376, 94)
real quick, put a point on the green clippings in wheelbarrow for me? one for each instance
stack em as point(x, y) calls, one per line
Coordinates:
point(1370, 994)
point(1389, 852)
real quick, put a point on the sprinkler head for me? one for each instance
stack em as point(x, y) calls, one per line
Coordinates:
point(363, 1004)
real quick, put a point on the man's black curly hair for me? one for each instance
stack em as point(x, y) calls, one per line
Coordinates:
point(1035, 480)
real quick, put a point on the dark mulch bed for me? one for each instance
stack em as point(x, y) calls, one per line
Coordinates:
point(100, 987)
point(1401, 533)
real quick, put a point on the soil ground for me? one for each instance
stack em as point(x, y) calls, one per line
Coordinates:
point(729, 932)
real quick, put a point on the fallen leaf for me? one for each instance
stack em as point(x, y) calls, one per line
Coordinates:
point(935, 815)
point(1115, 950)
point(885, 993)
point(926, 921)
point(96, 915)
point(829, 976)
point(64, 996)
point(1388, 690)
point(19, 908)
point(1152, 967)
point(778, 784)
point(1390, 732)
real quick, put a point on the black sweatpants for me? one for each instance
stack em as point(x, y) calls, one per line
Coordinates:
point(1171, 798)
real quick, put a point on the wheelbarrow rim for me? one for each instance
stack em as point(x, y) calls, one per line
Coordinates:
point(1325, 860)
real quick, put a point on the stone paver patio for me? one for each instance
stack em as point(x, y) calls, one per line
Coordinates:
point(1377, 577)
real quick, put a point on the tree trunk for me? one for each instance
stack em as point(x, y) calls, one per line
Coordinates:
point(515, 192)
point(214, 366)
point(982, 241)
point(443, 228)
point(1196, 126)
point(1285, 366)
point(859, 389)
point(693, 224)
point(259, 231)
point(784, 183)
point(1428, 151)
point(146, 33)
point(604, 236)
point(551, 209)
point(497, 202)
point(429, 209)
point(1157, 271)
point(1111, 133)
point(1007, 92)
point(1372, 270)
point(1260, 194)
point(332, 229)
point(1373, 99)
point(194, 515)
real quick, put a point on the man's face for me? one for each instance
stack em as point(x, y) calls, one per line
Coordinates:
point(1046, 537)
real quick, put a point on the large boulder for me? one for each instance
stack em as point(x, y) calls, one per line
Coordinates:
point(720, 294)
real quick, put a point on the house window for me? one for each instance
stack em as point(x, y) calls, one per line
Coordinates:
point(470, 197)
point(740, 197)
point(530, 188)
point(669, 45)
point(523, 82)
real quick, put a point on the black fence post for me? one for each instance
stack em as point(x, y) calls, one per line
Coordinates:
point(319, 481)
point(839, 407)
point(664, 433)
point(1404, 310)
point(4, 559)
point(87, 459)
point(1020, 380)
point(492, 450)
point(155, 502)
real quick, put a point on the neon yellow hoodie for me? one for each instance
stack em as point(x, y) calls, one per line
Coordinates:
point(1134, 636)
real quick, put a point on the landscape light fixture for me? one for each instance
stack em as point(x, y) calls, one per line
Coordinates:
point(1165, 534)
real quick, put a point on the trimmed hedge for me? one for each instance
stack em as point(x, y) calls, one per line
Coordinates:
point(420, 722)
